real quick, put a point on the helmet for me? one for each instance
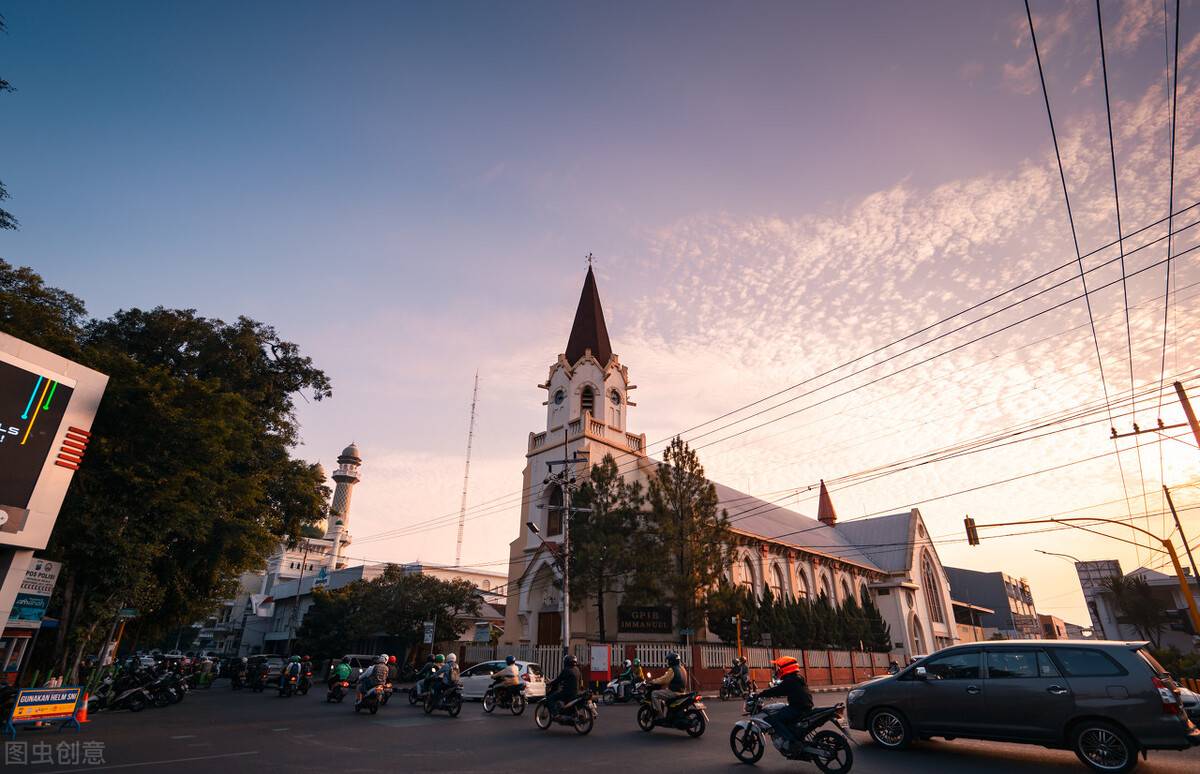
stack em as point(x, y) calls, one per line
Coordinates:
point(439, 658)
point(672, 658)
point(307, 658)
point(383, 656)
point(628, 663)
point(381, 660)
point(295, 659)
point(429, 659)
point(787, 666)
point(451, 658)
point(742, 659)
point(245, 660)
point(637, 662)
point(510, 660)
point(568, 661)
point(345, 659)
point(391, 659)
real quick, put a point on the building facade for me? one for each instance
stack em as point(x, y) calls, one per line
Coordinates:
point(1053, 627)
point(1014, 616)
point(1107, 618)
point(587, 399)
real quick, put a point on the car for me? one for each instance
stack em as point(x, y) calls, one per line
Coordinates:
point(477, 679)
point(359, 663)
point(1191, 703)
point(1106, 701)
point(274, 664)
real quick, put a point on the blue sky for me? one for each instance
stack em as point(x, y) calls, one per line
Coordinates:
point(408, 190)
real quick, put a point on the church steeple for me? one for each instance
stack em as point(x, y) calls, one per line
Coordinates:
point(588, 330)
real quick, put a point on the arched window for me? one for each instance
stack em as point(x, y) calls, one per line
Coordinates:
point(918, 639)
point(826, 589)
point(864, 595)
point(554, 511)
point(847, 594)
point(801, 584)
point(748, 573)
point(587, 401)
point(778, 587)
point(933, 590)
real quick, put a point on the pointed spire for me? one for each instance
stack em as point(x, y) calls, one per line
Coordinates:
point(588, 330)
point(825, 512)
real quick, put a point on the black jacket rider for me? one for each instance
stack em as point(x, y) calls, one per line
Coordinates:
point(564, 687)
point(800, 703)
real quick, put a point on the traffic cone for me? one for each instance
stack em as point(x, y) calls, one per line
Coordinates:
point(81, 714)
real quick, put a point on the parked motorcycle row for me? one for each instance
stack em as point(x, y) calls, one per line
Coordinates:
point(136, 687)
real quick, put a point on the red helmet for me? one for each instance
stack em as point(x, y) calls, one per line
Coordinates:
point(786, 665)
point(391, 659)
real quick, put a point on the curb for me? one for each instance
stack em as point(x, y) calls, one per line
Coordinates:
point(830, 689)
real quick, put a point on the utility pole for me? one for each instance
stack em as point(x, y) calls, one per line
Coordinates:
point(1187, 546)
point(1187, 411)
point(462, 510)
point(296, 606)
point(565, 480)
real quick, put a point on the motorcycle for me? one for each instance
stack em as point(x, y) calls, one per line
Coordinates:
point(829, 750)
point(614, 692)
point(420, 690)
point(305, 683)
point(337, 691)
point(450, 700)
point(579, 713)
point(732, 687)
point(237, 681)
point(685, 713)
point(369, 700)
point(127, 693)
point(287, 686)
point(387, 692)
point(258, 682)
point(512, 698)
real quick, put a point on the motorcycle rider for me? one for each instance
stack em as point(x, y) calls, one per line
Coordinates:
point(372, 677)
point(564, 687)
point(432, 666)
point(291, 670)
point(800, 702)
point(446, 677)
point(672, 684)
point(392, 669)
point(238, 673)
point(507, 678)
point(341, 672)
point(626, 679)
point(740, 674)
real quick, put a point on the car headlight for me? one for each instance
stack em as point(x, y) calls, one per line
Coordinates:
point(855, 695)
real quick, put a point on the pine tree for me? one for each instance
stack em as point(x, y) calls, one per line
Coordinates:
point(685, 527)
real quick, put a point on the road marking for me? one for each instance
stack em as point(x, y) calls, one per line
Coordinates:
point(159, 763)
point(285, 728)
point(184, 736)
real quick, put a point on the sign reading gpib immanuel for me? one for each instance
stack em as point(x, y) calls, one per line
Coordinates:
point(47, 404)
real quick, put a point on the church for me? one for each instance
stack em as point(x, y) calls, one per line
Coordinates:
point(891, 559)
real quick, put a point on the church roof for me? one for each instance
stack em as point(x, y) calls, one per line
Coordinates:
point(588, 330)
point(752, 516)
point(884, 539)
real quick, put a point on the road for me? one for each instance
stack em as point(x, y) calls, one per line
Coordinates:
point(219, 730)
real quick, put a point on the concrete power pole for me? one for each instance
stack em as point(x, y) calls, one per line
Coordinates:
point(462, 509)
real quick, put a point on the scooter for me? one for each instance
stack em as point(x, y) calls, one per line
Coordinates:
point(450, 700)
point(369, 700)
point(420, 689)
point(615, 693)
point(387, 692)
point(579, 713)
point(287, 686)
point(337, 691)
point(305, 683)
point(511, 698)
point(829, 750)
point(685, 713)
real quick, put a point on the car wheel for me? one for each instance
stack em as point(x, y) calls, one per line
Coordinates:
point(836, 755)
point(696, 725)
point(1104, 747)
point(747, 744)
point(489, 701)
point(541, 716)
point(645, 718)
point(889, 729)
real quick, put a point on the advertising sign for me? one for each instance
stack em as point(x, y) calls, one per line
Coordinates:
point(31, 410)
point(644, 620)
point(44, 704)
point(322, 579)
point(428, 639)
point(33, 596)
point(599, 665)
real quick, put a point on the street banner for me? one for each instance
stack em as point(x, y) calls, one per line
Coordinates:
point(33, 596)
point(36, 705)
point(428, 640)
point(599, 666)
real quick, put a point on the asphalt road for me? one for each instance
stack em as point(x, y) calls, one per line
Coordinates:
point(219, 730)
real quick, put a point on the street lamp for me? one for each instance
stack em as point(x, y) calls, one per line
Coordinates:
point(1052, 553)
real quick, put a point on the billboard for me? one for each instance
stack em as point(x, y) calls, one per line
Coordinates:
point(34, 595)
point(32, 406)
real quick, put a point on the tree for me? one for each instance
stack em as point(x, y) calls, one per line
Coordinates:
point(1137, 605)
point(685, 529)
point(189, 479)
point(335, 621)
point(604, 539)
point(7, 221)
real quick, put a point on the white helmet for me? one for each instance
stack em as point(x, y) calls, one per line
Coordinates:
point(452, 658)
point(628, 663)
point(381, 660)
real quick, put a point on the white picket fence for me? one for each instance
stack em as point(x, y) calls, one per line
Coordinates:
point(717, 656)
point(655, 654)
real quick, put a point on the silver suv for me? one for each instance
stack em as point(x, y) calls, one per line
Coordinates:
point(1107, 701)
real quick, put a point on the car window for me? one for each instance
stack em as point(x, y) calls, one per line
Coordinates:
point(1008, 664)
point(1086, 662)
point(473, 671)
point(1152, 662)
point(534, 669)
point(953, 666)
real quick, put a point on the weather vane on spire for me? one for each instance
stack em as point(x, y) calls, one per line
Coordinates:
point(590, 260)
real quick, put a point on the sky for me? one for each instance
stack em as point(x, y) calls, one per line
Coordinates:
point(408, 191)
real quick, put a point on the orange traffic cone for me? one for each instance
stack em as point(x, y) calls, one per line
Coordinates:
point(81, 713)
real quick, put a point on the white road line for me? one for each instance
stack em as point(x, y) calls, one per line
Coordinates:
point(285, 728)
point(157, 763)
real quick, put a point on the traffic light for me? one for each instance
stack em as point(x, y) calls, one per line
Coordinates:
point(972, 531)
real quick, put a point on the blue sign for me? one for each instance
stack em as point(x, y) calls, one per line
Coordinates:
point(28, 607)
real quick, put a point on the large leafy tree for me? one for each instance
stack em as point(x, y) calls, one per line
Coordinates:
point(1138, 606)
point(604, 542)
point(189, 479)
point(686, 533)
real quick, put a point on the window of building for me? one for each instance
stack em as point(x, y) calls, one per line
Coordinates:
point(554, 511)
point(847, 594)
point(826, 589)
point(487, 585)
point(801, 584)
point(933, 590)
point(864, 594)
point(748, 573)
point(559, 397)
point(587, 401)
point(778, 587)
